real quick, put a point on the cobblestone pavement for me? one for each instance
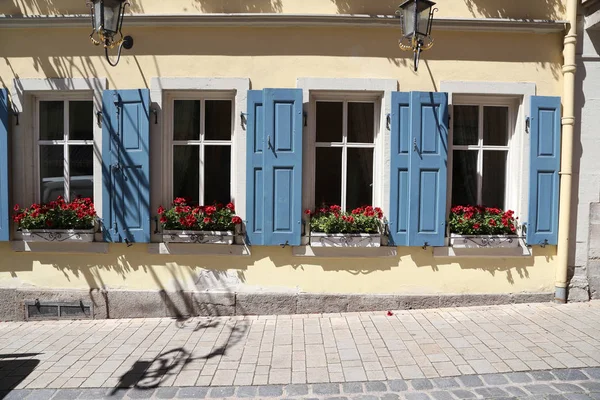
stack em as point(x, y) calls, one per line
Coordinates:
point(375, 348)
point(565, 384)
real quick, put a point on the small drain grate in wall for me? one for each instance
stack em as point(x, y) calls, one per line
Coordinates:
point(57, 310)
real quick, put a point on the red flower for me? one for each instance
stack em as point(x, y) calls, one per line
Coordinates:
point(307, 212)
point(48, 222)
point(161, 210)
point(492, 222)
point(196, 211)
point(389, 313)
point(350, 220)
point(230, 206)
point(209, 210)
point(476, 226)
point(236, 220)
point(16, 207)
point(207, 220)
point(513, 228)
point(163, 220)
point(179, 201)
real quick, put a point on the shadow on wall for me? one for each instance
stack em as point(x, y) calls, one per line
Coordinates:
point(60, 7)
point(367, 7)
point(517, 9)
point(239, 6)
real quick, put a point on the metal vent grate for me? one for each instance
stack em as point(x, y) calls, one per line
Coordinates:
point(58, 310)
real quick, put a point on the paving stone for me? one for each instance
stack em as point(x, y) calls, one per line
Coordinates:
point(364, 397)
point(470, 380)
point(591, 386)
point(592, 372)
point(515, 391)
point(270, 391)
point(417, 396)
point(577, 396)
point(490, 392)
point(495, 379)
point(421, 384)
point(540, 389)
point(337, 398)
point(67, 394)
point(519, 377)
point(398, 385)
point(542, 376)
point(166, 393)
point(464, 394)
point(389, 396)
point(192, 393)
point(219, 392)
point(568, 387)
point(326, 388)
point(140, 393)
point(296, 390)
point(246, 391)
point(445, 383)
point(376, 387)
point(17, 394)
point(354, 387)
point(556, 397)
point(44, 394)
point(570, 375)
point(94, 394)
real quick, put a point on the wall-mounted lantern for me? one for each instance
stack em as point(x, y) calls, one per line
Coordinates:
point(416, 17)
point(107, 19)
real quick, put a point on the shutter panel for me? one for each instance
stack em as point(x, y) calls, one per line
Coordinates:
point(126, 165)
point(254, 168)
point(542, 226)
point(400, 162)
point(282, 110)
point(4, 204)
point(428, 168)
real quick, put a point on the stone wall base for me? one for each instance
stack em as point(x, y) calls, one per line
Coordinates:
point(156, 304)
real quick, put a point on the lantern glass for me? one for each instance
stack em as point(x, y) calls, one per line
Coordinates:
point(422, 10)
point(112, 15)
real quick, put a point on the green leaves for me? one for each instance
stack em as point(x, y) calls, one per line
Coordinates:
point(198, 218)
point(334, 220)
point(477, 220)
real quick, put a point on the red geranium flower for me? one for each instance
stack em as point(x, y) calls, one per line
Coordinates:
point(307, 212)
point(230, 206)
point(207, 220)
point(163, 220)
point(161, 210)
point(16, 207)
point(236, 220)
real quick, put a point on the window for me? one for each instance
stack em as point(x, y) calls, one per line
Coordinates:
point(201, 149)
point(481, 153)
point(65, 133)
point(345, 152)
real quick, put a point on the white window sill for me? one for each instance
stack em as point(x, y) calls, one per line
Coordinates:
point(516, 252)
point(58, 247)
point(199, 249)
point(344, 252)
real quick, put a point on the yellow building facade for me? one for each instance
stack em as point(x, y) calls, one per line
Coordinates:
point(491, 60)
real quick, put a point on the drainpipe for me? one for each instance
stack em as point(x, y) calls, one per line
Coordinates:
point(566, 179)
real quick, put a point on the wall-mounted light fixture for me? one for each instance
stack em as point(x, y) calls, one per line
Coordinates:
point(416, 17)
point(107, 19)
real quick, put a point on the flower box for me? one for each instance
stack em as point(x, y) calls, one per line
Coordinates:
point(318, 239)
point(483, 241)
point(58, 235)
point(204, 237)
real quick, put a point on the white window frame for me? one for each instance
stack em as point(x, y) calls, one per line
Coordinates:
point(65, 142)
point(511, 192)
point(522, 92)
point(356, 89)
point(171, 97)
point(346, 98)
point(23, 94)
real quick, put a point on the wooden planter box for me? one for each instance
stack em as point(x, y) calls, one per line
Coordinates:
point(58, 235)
point(345, 239)
point(202, 237)
point(483, 241)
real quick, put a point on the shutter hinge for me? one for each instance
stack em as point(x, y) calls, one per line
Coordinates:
point(304, 118)
point(544, 243)
point(244, 120)
point(155, 112)
point(425, 245)
point(527, 124)
point(16, 115)
point(99, 118)
point(388, 122)
point(283, 245)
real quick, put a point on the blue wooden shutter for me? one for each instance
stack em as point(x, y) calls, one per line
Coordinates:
point(126, 165)
point(428, 168)
point(254, 168)
point(282, 160)
point(400, 161)
point(542, 225)
point(4, 204)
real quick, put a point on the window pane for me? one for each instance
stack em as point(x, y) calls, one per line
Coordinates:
point(186, 124)
point(360, 178)
point(52, 122)
point(218, 119)
point(186, 172)
point(217, 174)
point(52, 165)
point(330, 120)
point(361, 122)
point(466, 125)
point(328, 182)
point(464, 178)
point(495, 126)
point(494, 178)
point(81, 120)
point(81, 168)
